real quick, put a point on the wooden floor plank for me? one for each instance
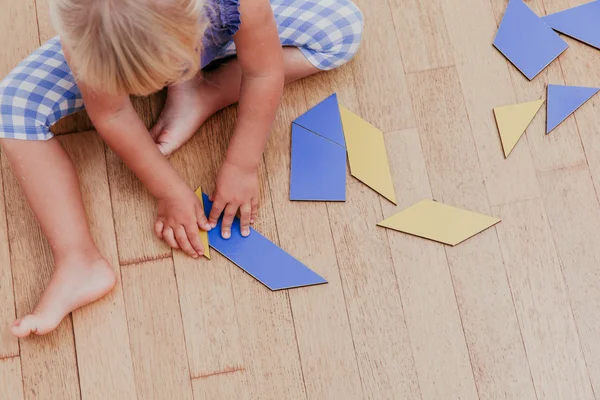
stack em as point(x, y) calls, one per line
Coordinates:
point(423, 20)
point(379, 76)
point(156, 332)
point(574, 217)
point(486, 84)
point(207, 304)
point(101, 335)
point(9, 345)
point(18, 19)
point(11, 381)
point(134, 211)
point(542, 302)
point(430, 308)
point(226, 386)
point(562, 148)
point(320, 315)
point(373, 300)
point(480, 284)
point(32, 265)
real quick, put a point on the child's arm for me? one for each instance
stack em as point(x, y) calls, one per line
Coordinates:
point(261, 58)
point(179, 210)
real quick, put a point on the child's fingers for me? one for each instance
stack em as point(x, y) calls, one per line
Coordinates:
point(254, 212)
point(183, 241)
point(202, 221)
point(158, 229)
point(228, 217)
point(194, 237)
point(215, 212)
point(169, 237)
point(245, 212)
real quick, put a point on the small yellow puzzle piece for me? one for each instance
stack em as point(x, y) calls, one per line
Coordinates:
point(367, 154)
point(203, 234)
point(513, 120)
point(439, 222)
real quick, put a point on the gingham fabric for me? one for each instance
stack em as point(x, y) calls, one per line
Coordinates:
point(42, 89)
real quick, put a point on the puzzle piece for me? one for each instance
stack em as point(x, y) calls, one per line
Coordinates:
point(526, 40)
point(564, 101)
point(324, 119)
point(581, 23)
point(260, 257)
point(513, 120)
point(318, 167)
point(367, 154)
point(203, 234)
point(439, 222)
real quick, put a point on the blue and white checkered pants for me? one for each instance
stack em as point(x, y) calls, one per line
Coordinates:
point(41, 89)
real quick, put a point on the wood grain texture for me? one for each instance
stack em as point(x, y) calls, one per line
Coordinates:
point(574, 217)
point(542, 302)
point(422, 34)
point(385, 359)
point(32, 265)
point(156, 331)
point(379, 76)
point(11, 381)
point(320, 315)
point(225, 386)
point(485, 83)
point(18, 19)
point(101, 336)
point(430, 308)
point(9, 345)
point(482, 291)
point(562, 148)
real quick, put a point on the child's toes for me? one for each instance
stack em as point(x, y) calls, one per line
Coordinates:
point(32, 324)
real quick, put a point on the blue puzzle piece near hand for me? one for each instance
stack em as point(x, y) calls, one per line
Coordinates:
point(563, 101)
point(324, 119)
point(318, 167)
point(581, 23)
point(260, 257)
point(526, 40)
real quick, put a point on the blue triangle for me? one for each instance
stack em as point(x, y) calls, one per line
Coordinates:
point(563, 101)
point(324, 119)
point(526, 40)
point(581, 23)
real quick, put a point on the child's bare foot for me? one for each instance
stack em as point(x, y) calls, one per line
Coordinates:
point(188, 106)
point(73, 285)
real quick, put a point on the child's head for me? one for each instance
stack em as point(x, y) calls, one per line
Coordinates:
point(131, 46)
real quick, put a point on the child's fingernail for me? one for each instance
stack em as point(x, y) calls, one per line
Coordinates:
point(213, 225)
point(245, 231)
point(226, 235)
point(200, 253)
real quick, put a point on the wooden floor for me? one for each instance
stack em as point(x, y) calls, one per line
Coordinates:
point(513, 313)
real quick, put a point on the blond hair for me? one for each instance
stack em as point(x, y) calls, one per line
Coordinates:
point(131, 46)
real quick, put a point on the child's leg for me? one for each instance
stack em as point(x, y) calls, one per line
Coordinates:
point(81, 275)
point(191, 103)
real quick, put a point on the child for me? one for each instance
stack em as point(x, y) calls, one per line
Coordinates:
point(109, 49)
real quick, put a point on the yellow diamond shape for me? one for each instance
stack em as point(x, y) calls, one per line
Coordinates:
point(203, 234)
point(439, 222)
point(367, 154)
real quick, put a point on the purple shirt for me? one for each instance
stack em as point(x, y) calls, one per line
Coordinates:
point(224, 22)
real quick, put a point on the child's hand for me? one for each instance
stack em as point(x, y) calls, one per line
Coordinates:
point(179, 217)
point(236, 188)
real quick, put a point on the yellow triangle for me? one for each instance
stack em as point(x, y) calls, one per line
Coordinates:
point(203, 234)
point(439, 222)
point(367, 154)
point(513, 120)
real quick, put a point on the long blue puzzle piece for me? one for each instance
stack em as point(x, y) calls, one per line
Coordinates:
point(324, 119)
point(563, 101)
point(526, 40)
point(318, 167)
point(581, 23)
point(260, 257)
